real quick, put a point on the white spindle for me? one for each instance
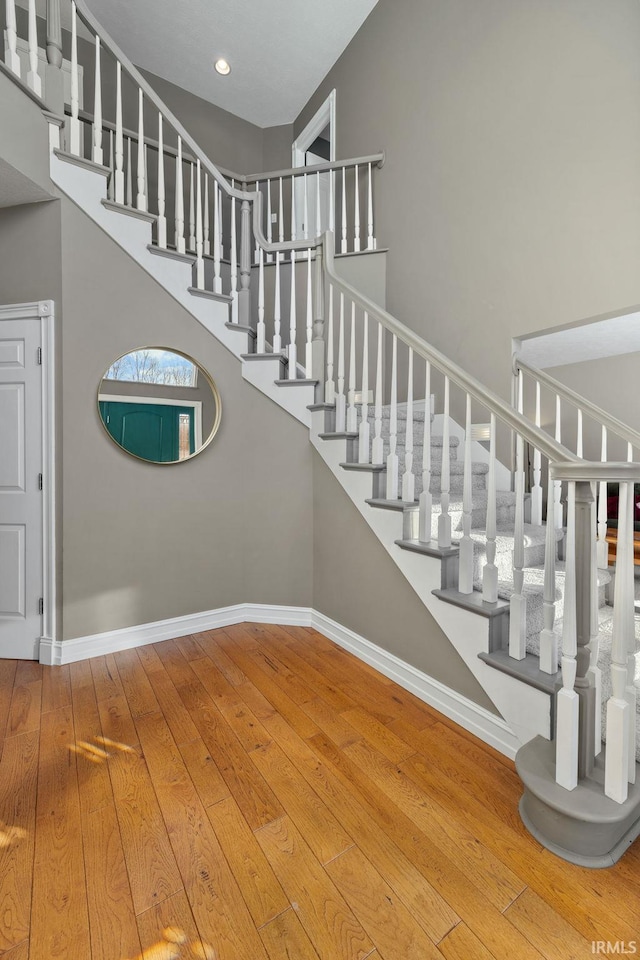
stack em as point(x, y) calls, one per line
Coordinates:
point(392, 459)
point(305, 209)
point(340, 397)
point(536, 490)
point(74, 122)
point(356, 213)
point(292, 371)
point(377, 449)
point(567, 702)
point(162, 220)
point(490, 571)
point(257, 254)
point(548, 635)
point(318, 211)
point(352, 413)
point(179, 215)
point(217, 279)
point(557, 484)
point(141, 199)
point(579, 434)
point(13, 60)
point(111, 185)
point(332, 201)
point(33, 78)
point(619, 758)
point(371, 243)
point(343, 247)
point(330, 386)
point(465, 558)
point(518, 602)
point(97, 153)
point(192, 210)
point(269, 222)
point(408, 478)
point(206, 217)
point(281, 213)
point(309, 343)
point(603, 546)
point(119, 164)
point(277, 309)
point(261, 341)
point(444, 517)
point(426, 500)
point(129, 174)
point(199, 241)
point(294, 233)
point(364, 433)
point(233, 257)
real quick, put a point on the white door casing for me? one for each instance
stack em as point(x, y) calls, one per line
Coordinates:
point(302, 157)
point(27, 593)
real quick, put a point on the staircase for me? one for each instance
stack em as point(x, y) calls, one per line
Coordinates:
point(534, 629)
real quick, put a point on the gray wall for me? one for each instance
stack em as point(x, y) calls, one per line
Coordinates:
point(510, 199)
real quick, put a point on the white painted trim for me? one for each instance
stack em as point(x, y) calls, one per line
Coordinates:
point(196, 406)
point(488, 727)
point(325, 115)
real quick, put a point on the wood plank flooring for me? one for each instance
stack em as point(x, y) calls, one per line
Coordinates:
point(256, 793)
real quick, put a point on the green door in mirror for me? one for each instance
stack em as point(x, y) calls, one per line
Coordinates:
point(156, 432)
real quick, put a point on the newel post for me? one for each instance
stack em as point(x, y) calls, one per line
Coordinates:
point(583, 686)
point(54, 83)
point(318, 344)
point(245, 264)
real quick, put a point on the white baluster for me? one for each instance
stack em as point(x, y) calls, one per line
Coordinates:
point(97, 154)
point(548, 635)
point(343, 248)
point(444, 518)
point(199, 242)
point(392, 459)
point(490, 571)
point(13, 60)
point(74, 122)
point(292, 354)
point(557, 484)
point(141, 199)
point(205, 219)
point(603, 546)
point(281, 213)
point(332, 201)
point(318, 211)
point(619, 758)
point(261, 341)
point(330, 386)
point(129, 174)
point(192, 210)
point(465, 558)
point(119, 171)
point(33, 79)
point(426, 499)
point(579, 434)
point(305, 209)
point(567, 699)
point(294, 235)
point(217, 279)
point(536, 490)
point(277, 320)
point(111, 184)
point(309, 345)
point(408, 479)
point(518, 601)
point(364, 432)
point(233, 257)
point(179, 216)
point(371, 243)
point(356, 215)
point(340, 397)
point(162, 220)
point(352, 413)
point(257, 254)
point(269, 223)
point(377, 449)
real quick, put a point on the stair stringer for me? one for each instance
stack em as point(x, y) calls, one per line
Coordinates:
point(526, 710)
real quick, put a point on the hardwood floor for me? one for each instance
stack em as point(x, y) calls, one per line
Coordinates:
point(256, 793)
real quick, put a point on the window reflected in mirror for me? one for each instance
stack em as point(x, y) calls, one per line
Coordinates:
point(159, 405)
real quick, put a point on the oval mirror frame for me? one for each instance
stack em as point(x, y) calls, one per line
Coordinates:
point(192, 407)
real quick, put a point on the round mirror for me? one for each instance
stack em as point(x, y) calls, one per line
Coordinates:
point(159, 405)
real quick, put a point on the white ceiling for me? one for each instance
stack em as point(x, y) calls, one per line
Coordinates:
point(279, 50)
point(588, 341)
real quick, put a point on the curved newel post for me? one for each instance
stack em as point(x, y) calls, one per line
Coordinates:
point(162, 220)
point(356, 213)
point(277, 309)
point(603, 546)
point(364, 431)
point(465, 558)
point(97, 153)
point(119, 157)
point(594, 672)
point(444, 517)
point(371, 242)
point(330, 385)
point(308, 356)
point(269, 223)
point(425, 512)
point(557, 484)
point(392, 459)
point(341, 403)
point(34, 81)
point(74, 120)
point(318, 345)
point(141, 199)
point(292, 350)
point(13, 60)
point(192, 211)
point(352, 413)
point(548, 636)
point(517, 601)
point(567, 702)
point(110, 182)
point(584, 551)
point(233, 256)
point(490, 571)
point(536, 490)
point(377, 447)
point(205, 218)
point(244, 305)
point(260, 339)
point(129, 174)
point(199, 238)
point(179, 206)
point(408, 478)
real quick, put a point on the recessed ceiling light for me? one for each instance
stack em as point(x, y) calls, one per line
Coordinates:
point(223, 67)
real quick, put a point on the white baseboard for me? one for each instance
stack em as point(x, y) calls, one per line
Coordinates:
point(486, 726)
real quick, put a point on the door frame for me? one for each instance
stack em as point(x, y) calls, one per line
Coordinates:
point(326, 114)
point(195, 405)
point(44, 310)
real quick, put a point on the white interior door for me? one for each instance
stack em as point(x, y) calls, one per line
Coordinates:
point(21, 528)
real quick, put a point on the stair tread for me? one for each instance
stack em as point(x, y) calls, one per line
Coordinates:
point(129, 211)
